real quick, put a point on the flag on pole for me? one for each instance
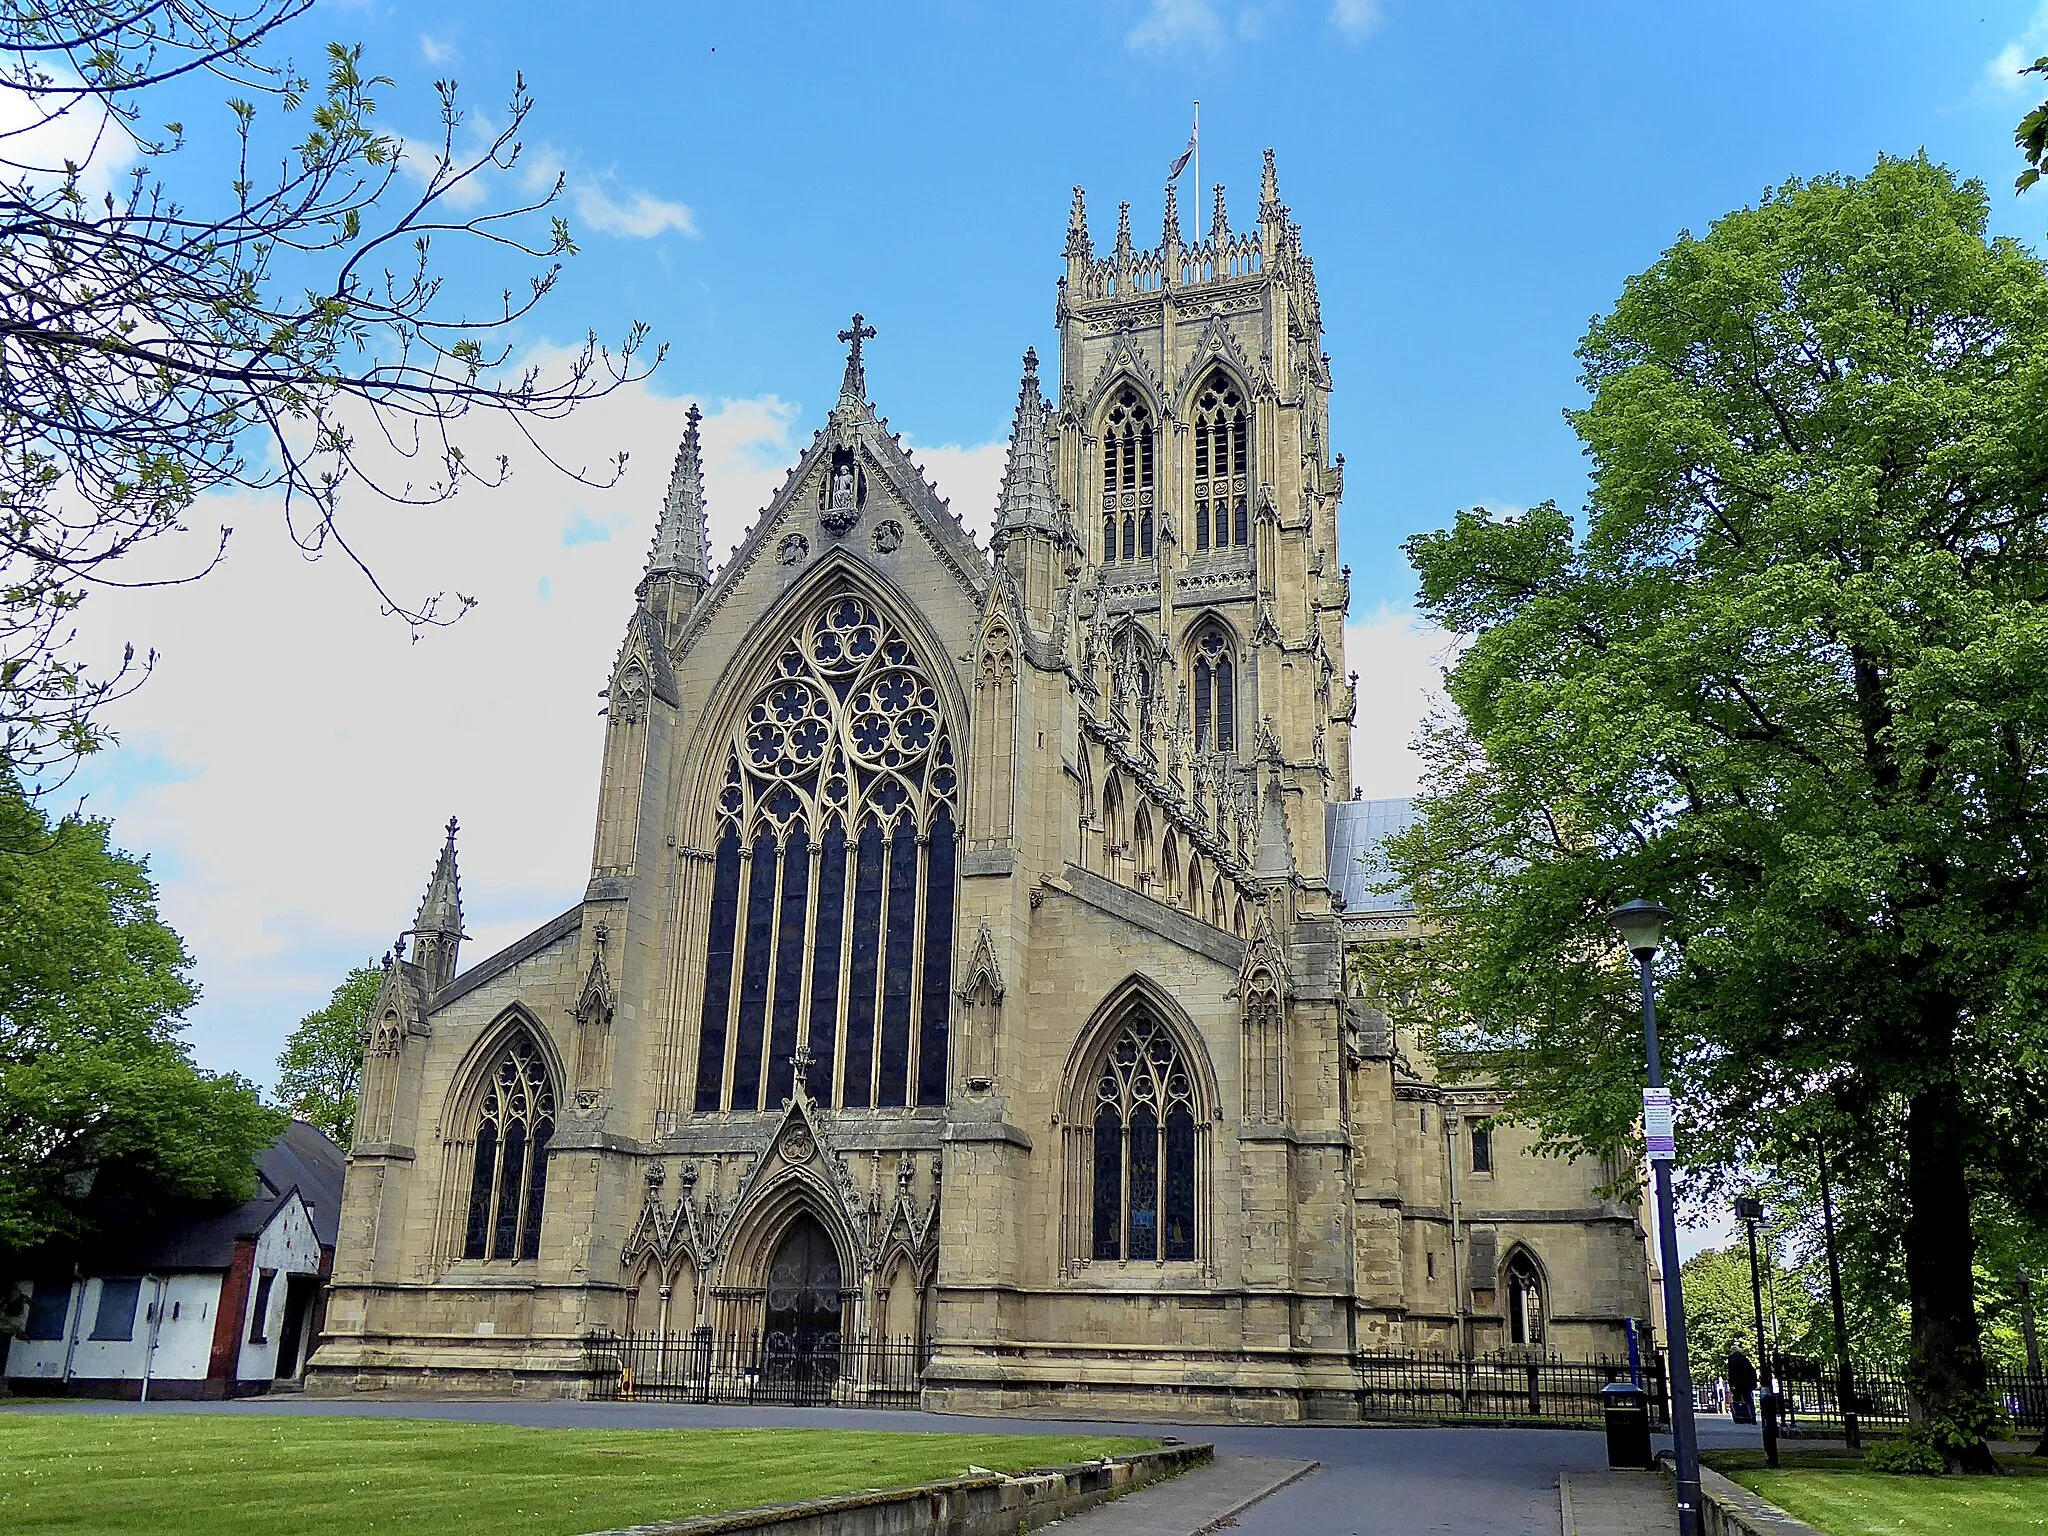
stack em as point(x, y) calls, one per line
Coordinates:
point(1181, 162)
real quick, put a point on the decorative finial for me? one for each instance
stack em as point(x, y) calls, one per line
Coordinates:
point(1123, 226)
point(1219, 221)
point(1269, 188)
point(1078, 243)
point(1031, 360)
point(1169, 234)
point(854, 388)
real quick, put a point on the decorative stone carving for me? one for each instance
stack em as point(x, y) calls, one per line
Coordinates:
point(793, 549)
point(888, 536)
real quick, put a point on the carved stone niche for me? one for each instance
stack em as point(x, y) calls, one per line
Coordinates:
point(844, 491)
point(981, 1006)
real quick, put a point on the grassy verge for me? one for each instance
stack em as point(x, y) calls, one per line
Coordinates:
point(1833, 1491)
point(234, 1475)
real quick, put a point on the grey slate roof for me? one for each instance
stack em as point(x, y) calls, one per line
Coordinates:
point(204, 1237)
point(1353, 833)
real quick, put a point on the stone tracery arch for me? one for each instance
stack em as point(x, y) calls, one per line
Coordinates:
point(836, 827)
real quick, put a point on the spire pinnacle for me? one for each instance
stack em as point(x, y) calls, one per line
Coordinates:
point(853, 388)
point(1027, 500)
point(1123, 227)
point(441, 908)
point(682, 543)
point(1078, 243)
point(1269, 189)
point(1170, 231)
point(1219, 221)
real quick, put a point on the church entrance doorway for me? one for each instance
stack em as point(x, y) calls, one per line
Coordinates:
point(806, 1299)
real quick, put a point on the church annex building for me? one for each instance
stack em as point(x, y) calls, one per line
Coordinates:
point(963, 963)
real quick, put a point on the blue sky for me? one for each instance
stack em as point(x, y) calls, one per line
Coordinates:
point(1475, 182)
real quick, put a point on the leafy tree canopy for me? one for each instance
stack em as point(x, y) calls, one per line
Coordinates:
point(101, 1108)
point(1791, 678)
point(322, 1061)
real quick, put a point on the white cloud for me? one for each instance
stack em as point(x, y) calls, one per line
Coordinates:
point(636, 216)
point(40, 135)
point(1173, 24)
point(1400, 663)
point(969, 478)
point(435, 50)
point(2002, 77)
point(1357, 19)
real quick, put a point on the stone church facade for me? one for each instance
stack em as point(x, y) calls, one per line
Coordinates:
point(963, 959)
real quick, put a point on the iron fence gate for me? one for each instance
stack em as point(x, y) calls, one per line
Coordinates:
point(775, 1366)
point(1511, 1385)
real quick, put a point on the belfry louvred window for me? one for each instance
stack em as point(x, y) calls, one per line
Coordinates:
point(1222, 465)
point(831, 911)
point(515, 1121)
point(1128, 445)
point(1144, 1147)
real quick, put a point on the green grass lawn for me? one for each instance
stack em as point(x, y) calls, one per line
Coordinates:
point(1832, 1491)
point(226, 1474)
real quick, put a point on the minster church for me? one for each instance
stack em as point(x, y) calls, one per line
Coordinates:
point(965, 960)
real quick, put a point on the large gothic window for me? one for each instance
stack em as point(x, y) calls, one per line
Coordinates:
point(1127, 449)
point(508, 1186)
point(1144, 1148)
point(1222, 465)
point(1215, 690)
point(831, 916)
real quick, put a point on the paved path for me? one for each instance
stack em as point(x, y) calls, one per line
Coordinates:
point(1608, 1503)
point(1373, 1482)
point(1192, 1503)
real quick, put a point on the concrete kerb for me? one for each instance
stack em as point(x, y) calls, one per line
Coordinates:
point(979, 1504)
point(1729, 1509)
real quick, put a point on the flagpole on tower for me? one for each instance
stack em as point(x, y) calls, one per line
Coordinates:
point(1198, 172)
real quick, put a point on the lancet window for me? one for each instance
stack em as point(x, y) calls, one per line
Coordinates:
point(1222, 465)
point(1525, 1299)
point(515, 1121)
point(1144, 1151)
point(1128, 445)
point(1215, 690)
point(831, 911)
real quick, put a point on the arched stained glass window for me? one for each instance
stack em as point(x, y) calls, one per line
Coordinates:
point(515, 1121)
point(836, 842)
point(1144, 1148)
point(1215, 690)
point(1128, 445)
point(1222, 464)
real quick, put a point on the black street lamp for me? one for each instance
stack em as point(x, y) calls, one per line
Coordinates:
point(1749, 1211)
point(1641, 925)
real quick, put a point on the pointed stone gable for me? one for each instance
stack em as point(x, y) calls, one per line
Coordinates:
point(892, 503)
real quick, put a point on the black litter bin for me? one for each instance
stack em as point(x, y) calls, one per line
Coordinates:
point(1626, 1408)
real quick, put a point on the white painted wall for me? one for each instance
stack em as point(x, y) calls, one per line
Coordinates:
point(286, 1247)
point(184, 1335)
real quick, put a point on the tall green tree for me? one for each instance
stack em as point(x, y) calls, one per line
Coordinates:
point(1790, 677)
point(102, 1113)
point(322, 1059)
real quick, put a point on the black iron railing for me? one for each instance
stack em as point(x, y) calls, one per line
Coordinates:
point(702, 1367)
point(1508, 1386)
point(1812, 1394)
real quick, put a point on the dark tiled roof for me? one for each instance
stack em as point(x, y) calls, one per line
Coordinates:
point(204, 1236)
point(1354, 832)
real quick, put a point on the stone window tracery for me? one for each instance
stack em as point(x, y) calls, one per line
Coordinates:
point(1525, 1299)
point(515, 1121)
point(1144, 1148)
point(1222, 464)
point(1215, 690)
point(836, 844)
point(1128, 446)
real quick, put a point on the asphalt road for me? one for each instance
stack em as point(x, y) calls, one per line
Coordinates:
point(1373, 1482)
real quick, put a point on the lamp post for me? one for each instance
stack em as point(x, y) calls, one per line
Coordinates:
point(1749, 1211)
point(1641, 925)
